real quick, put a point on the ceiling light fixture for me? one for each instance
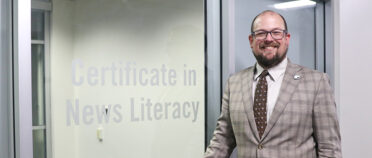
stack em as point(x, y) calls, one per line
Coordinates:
point(295, 4)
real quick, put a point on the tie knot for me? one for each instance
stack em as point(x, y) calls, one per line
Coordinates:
point(264, 74)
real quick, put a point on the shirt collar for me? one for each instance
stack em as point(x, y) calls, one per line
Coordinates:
point(274, 72)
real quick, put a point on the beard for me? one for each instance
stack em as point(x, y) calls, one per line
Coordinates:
point(269, 63)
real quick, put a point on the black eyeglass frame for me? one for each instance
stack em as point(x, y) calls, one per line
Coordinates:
point(267, 32)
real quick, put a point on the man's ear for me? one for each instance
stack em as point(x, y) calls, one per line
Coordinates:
point(250, 37)
point(288, 37)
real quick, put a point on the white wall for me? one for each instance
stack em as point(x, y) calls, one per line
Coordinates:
point(354, 76)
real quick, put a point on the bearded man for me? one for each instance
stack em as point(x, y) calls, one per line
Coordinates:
point(276, 109)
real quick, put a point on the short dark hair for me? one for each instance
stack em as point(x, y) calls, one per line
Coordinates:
point(266, 11)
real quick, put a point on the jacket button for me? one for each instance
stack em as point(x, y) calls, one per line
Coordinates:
point(260, 146)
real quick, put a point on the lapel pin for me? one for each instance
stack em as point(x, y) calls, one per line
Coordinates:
point(296, 77)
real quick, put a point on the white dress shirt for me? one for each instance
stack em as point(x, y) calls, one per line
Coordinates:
point(274, 82)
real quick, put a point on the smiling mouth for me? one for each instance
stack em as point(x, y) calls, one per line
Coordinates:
point(268, 47)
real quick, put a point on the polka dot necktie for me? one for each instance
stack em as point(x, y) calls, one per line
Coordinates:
point(259, 105)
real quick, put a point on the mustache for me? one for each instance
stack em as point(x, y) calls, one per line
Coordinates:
point(272, 44)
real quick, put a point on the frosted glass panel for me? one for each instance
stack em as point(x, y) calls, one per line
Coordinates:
point(127, 78)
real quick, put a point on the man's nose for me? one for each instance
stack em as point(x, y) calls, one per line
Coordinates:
point(269, 37)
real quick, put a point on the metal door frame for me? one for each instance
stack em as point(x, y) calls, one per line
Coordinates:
point(22, 79)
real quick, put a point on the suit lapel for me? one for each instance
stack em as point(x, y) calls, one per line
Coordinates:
point(288, 87)
point(247, 82)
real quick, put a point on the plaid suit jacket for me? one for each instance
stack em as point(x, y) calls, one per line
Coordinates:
point(303, 124)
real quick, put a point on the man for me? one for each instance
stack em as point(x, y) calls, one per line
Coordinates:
point(276, 109)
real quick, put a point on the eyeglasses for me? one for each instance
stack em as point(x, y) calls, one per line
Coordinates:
point(275, 34)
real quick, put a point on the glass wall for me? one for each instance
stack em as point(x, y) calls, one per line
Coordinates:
point(119, 78)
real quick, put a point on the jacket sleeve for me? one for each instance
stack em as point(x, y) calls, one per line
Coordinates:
point(223, 140)
point(325, 121)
